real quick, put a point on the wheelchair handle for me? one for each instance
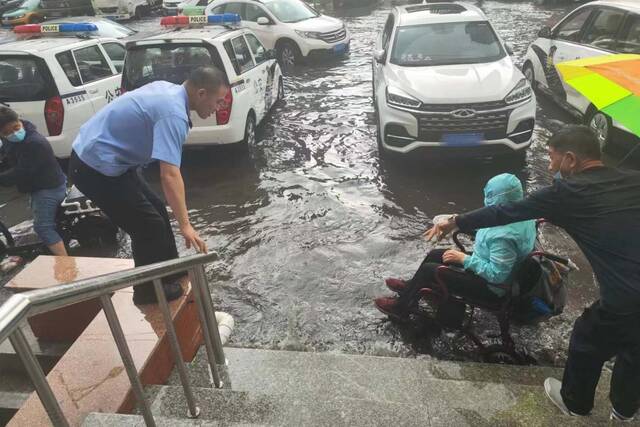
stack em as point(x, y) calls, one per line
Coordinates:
point(552, 257)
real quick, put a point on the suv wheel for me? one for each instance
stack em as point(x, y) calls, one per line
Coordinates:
point(600, 123)
point(288, 54)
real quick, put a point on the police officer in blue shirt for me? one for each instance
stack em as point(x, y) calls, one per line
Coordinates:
point(145, 125)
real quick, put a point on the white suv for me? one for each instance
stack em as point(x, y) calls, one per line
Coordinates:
point(443, 80)
point(292, 27)
point(58, 83)
point(603, 27)
point(253, 73)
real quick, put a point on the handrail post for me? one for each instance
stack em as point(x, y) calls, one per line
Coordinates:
point(211, 315)
point(194, 411)
point(127, 360)
point(197, 283)
point(38, 379)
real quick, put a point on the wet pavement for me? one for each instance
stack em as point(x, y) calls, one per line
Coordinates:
point(311, 220)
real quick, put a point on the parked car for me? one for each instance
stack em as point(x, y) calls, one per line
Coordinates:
point(255, 78)
point(602, 27)
point(61, 8)
point(119, 10)
point(467, 101)
point(7, 5)
point(28, 12)
point(58, 83)
point(292, 27)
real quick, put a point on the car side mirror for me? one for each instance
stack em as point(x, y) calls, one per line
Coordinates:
point(545, 32)
point(509, 47)
point(380, 55)
point(271, 54)
point(263, 20)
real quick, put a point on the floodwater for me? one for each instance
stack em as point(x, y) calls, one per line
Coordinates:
point(310, 221)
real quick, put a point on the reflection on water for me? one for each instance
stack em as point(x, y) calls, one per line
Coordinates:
point(310, 221)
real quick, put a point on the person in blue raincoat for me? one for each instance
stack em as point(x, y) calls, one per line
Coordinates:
point(496, 253)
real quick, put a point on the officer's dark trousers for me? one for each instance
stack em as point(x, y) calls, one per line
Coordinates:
point(132, 206)
point(597, 336)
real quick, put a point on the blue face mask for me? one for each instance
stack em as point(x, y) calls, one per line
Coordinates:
point(17, 136)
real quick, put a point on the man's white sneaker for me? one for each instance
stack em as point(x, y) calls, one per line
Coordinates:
point(552, 387)
point(615, 416)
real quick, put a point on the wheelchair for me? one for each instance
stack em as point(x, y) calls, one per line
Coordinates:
point(456, 312)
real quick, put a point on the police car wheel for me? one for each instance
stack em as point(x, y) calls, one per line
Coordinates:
point(250, 131)
point(280, 90)
point(529, 74)
point(600, 123)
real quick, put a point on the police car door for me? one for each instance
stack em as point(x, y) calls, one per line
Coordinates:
point(99, 77)
point(253, 77)
point(267, 70)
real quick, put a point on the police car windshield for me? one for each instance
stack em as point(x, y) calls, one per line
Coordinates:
point(172, 63)
point(290, 10)
point(425, 45)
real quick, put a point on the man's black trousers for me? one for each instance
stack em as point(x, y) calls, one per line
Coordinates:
point(131, 205)
point(597, 336)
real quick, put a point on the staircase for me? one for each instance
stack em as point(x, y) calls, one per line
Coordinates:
point(265, 387)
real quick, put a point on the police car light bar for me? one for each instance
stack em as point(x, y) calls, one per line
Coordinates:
point(218, 19)
point(55, 28)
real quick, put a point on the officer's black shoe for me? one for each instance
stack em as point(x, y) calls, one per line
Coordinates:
point(145, 294)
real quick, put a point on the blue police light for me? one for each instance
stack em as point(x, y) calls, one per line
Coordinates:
point(224, 18)
point(77, 28)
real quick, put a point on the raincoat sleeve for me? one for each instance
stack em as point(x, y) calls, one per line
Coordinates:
point(503, 256)
point(545, 203)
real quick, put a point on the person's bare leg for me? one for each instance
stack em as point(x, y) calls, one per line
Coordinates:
point(58, 249)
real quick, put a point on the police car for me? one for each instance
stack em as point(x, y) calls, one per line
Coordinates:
point(59, 82)
point(215, 40)
point(602, 27)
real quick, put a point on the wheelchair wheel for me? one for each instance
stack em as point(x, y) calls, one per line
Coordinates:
point(500, 354)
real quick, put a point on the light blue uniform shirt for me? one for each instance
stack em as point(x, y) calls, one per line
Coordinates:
point(149, 123)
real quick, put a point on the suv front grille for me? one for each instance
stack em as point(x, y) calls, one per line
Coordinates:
point(477, 106)
point(431, 127)
point(334, 36)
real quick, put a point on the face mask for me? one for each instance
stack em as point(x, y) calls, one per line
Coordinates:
point(558, 174)
point(17, 136)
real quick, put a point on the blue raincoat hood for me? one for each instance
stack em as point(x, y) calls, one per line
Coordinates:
point(503, 188)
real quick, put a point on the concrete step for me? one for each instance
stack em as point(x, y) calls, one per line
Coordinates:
point(119, 420)
point(438, 403)
point(15, 389)
point(295, 387)
point(47, 353)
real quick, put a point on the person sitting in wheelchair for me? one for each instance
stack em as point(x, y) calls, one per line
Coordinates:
point(484, 273)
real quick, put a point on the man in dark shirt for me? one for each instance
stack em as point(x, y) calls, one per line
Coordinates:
point(599, 207)
point(34, 170)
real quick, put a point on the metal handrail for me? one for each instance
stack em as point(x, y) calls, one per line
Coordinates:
point(21, 306)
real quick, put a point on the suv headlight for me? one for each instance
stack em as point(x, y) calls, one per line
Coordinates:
point(308, 34)
point(399, 98)
point(522, 92)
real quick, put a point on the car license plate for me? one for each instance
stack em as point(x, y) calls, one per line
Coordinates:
point(339, 48)
point(462, 138)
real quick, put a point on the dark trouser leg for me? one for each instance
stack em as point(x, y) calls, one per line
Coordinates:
point(125, 200)
point(597, 336)
point(584, 364)
point(625, 382)
point(422, 277)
